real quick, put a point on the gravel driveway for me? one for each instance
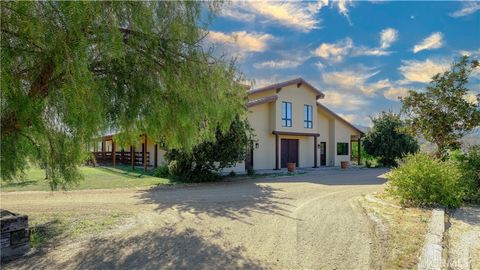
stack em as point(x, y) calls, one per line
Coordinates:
point(309, 221)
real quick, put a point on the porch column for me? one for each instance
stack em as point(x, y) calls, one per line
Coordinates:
point(144, 153)
point(155, 158)
point(277, 165)
point(315, 152)
point(103, 150)
point(114, 155)
point(359, 153)
point(132, 156)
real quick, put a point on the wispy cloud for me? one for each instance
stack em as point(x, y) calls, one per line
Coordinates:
point(472, 98)
point(302, 16)
point(387, 37)
point(281, 64)
point(434, 41)
point(421, 71)
point(241, 42)
point(345, 101)
point(336, 52)
point(468, 7)
point(395, 93)
point(349, 80)
point(357, 119)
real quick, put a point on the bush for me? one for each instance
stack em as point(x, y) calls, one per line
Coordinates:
point(425, 180)
point(161, 171)
point(232, 174)
point(250, 171)
point(469, 165)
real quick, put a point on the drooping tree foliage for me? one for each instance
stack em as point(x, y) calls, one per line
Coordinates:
point(72, 70)
point(387, 141)
point(209, 158)
point(441, 113)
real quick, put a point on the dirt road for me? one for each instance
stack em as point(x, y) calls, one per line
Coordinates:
point(309, 221)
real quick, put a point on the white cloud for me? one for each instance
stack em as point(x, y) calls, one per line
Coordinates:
point(467, 9)
point(241, 43)
point(348, 79)
point(434, 41)
point(387, 37)
point(344, 101)
point(395, 93)
point(372, 88)
point(302, 16)
point(320, 65)
point(334, 52)
point(421, 71)
point(278, 64)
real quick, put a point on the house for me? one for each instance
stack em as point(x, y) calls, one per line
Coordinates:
point(290, 125)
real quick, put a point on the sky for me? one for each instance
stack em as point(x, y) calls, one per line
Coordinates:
point(363, 55)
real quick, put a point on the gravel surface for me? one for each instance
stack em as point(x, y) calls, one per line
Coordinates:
point(309, 221)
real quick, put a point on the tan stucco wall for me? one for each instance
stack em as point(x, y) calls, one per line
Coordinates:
point(259, 118)
point(298, 96)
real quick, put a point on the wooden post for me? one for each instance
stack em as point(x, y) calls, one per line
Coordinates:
point(114, 154)
point(358, 156)
point(132, 156)
point(145, 153)
point(122, 156)
point(103, 150)
point(155, 158)
point(315, 152)
point(277, 165)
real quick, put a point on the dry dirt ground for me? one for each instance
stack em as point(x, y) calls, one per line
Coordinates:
point(463, 237)
point(309, 221)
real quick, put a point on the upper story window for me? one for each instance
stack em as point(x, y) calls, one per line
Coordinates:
point(286, 114)
point(307, 116)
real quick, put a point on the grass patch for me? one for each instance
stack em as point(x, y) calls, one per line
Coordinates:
point(94, 178)
point(401, 233)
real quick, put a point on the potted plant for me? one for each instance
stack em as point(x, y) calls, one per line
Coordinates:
point(344, 164)
point(291, 166)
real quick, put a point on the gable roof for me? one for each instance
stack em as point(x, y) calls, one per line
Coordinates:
point(339, 118)
point(263, 100)
point(297, 81)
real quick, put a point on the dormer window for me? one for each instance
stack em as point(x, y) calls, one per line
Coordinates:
point(286, 114)
point(307, 116)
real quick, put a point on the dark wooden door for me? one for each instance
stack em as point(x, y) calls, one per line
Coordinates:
point(289, 149)
point(249, 157)
point(323, 153)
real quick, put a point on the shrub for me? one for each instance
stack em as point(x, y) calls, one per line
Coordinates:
point(469, 165)
point(232, 174)
point(161, 171)
point(425, 180)
point(250, 171)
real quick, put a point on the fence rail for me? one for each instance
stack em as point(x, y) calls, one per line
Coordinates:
point(121, 157)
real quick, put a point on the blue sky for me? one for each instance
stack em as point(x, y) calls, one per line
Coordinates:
point(362, 55)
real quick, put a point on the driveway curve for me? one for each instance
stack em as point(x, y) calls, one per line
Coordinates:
point(308, 221)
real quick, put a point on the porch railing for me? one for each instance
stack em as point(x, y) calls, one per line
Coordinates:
point(121, 157)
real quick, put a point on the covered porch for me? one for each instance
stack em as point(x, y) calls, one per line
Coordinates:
point(106, 152)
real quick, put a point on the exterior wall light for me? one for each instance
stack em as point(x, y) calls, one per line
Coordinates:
point(256, 145)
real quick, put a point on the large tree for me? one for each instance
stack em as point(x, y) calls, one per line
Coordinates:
point(387, 140)
point(441, 113)
point(73, 70)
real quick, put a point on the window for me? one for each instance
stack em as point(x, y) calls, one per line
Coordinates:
point(286, 114)
point(342, 149)
point(307, 116)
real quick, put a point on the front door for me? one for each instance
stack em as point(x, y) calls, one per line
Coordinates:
point(323, 153)
point(289, 148)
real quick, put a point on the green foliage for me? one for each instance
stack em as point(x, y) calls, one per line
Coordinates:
point(369, 160)
point(207, 159)
point(441, 113)
point(72, 70)
point(425, 180)
point(161, 171)
point(469, 165)
point(250, 171)
point(387, 141)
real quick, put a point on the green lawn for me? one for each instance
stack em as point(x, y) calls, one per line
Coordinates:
point(94, 178)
